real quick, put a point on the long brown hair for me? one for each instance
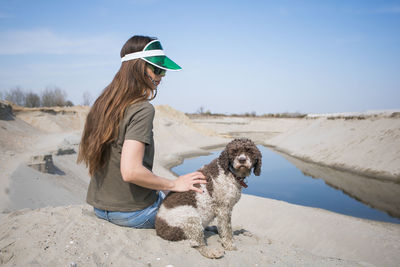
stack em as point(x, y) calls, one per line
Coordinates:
point(130, 85)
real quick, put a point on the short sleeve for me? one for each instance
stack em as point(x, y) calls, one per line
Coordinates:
point(140, 126)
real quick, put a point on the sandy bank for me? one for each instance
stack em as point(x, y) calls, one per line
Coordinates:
point(71, 234)
point(370, 146)
point(37, 132)
point(364, 144)
point(267, 232)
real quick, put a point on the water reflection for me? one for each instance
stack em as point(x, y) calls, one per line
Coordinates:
point(298, 182)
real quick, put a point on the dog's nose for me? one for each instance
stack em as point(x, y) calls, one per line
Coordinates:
point(242, 159)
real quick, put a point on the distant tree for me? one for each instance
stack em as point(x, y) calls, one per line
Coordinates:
point(32, 100)
point(69, 103)
point(200, 110)
point(87, 98)
point(53, 97)
point(16, 96)
point(1, 95)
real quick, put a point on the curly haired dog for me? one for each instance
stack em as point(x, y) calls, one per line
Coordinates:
point(184, 215)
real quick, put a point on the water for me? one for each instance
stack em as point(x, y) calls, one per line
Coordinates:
point(330, 189)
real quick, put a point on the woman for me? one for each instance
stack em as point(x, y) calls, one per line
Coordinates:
point(117, 141)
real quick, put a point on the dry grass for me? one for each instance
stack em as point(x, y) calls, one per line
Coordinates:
point(248, 115)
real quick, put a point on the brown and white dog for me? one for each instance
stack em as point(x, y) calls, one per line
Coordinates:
point(185, 215)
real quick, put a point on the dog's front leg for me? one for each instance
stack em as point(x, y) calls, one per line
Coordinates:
point(225, 229)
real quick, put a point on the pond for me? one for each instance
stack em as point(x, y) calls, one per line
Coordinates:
point(292, 180)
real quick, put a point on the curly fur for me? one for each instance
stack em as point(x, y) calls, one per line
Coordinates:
point(238, 146)
point(184, 215)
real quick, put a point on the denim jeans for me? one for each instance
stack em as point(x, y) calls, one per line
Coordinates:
point(137, 219)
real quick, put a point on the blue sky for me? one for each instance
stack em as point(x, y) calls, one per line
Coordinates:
point(237, 56)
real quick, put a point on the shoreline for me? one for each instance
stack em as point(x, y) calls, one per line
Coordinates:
point(373, 204)
point(369, 147)
point(381, 176)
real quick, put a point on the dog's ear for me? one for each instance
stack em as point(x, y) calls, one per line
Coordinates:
point(257, 165)
point(223, 161)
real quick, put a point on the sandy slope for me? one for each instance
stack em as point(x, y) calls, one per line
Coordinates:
point(33, 132)
point(367, 145)
point(64, 235)
point(370, 146)
point(267, 232)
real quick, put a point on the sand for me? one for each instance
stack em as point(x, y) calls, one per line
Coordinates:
point(45, 220)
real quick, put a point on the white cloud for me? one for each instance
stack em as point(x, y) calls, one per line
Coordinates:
point(43, 41)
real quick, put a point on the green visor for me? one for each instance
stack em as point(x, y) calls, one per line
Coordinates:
point(153, 53)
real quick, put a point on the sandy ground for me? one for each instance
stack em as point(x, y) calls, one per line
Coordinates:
point(45, 221)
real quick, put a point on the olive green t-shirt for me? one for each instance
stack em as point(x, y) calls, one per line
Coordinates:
point(107, 190)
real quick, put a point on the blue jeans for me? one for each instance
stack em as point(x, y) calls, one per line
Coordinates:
point(143, 219)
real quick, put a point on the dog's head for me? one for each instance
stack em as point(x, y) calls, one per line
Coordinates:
point(240, 157)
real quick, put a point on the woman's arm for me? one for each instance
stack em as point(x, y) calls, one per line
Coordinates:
point(133, 171)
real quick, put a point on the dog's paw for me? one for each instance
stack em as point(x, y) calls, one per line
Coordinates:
point(211, 253)
point(229, 246)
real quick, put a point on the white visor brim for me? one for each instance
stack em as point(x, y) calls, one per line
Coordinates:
point(142, 54)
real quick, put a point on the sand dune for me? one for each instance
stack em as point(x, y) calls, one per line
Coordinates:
point(58, 228)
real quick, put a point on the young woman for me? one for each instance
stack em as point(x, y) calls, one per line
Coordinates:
point(117, 142)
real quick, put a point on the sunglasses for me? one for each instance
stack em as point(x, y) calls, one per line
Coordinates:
point(157, 71)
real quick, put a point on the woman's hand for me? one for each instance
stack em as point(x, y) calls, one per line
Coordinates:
point(186, 182)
